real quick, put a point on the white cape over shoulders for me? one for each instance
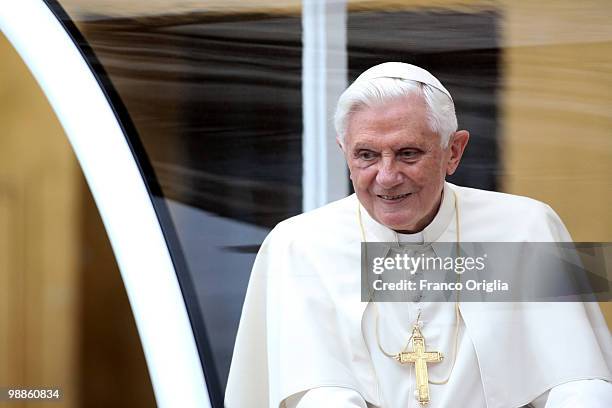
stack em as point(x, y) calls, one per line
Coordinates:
point(301, 325)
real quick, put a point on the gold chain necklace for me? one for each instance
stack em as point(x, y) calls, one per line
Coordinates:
point(419, 356)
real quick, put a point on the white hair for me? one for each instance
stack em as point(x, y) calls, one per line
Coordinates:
point(367, 93)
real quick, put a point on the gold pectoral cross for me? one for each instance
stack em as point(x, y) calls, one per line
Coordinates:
point(420, 358)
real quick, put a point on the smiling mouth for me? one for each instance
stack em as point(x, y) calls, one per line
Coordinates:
point(393, 197)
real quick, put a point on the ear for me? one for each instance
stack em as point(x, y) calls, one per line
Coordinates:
point(339, 143)
point(341, 146)
point(457, 144)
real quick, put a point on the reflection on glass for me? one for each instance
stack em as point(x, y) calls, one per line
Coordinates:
point(210, 96)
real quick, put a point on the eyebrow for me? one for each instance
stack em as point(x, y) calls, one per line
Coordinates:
point(366, 146)
point(361, 146)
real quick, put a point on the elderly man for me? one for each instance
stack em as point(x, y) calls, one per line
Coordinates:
point(307, 340)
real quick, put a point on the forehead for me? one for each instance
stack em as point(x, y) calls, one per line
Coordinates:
point(397, 122)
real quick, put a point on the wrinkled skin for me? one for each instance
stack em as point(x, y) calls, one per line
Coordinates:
point(397, 164)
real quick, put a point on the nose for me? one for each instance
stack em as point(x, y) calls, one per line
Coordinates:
point(388, 175)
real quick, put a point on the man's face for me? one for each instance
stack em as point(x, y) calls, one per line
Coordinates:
point(397, 164)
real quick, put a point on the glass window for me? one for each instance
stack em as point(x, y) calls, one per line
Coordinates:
point(210, 97)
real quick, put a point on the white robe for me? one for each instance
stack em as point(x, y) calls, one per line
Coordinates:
point(303, 321)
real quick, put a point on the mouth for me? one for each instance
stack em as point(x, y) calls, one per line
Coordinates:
point(391, 198)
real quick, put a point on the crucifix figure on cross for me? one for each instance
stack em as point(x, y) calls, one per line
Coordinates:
point(420, 358)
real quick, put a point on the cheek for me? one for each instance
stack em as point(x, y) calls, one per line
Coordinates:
point(419, 174)
point(363, 178)
point(445, 161)
point(430, 170)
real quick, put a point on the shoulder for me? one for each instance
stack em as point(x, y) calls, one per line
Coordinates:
point(508, 203)
point(521, 217)
point(309, 243)
point(336, 218)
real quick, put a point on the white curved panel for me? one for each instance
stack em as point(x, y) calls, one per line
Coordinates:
point(121, 197)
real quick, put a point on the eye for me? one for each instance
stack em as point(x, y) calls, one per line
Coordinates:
point(408, 154)
point(366, 155)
